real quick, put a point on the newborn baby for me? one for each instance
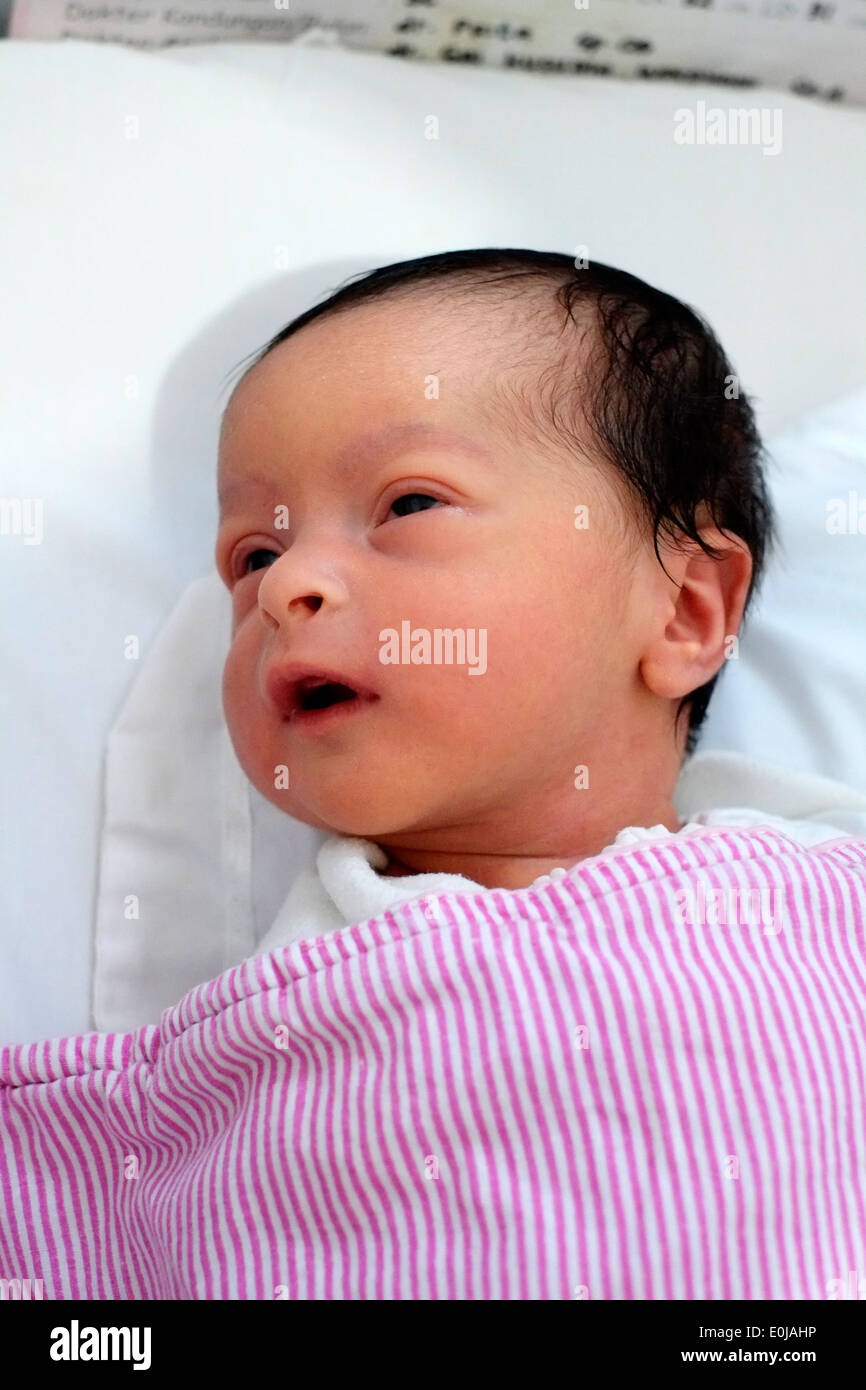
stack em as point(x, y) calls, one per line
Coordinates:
point(490, 523)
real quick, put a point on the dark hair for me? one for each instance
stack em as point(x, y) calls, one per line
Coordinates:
point(664, 406)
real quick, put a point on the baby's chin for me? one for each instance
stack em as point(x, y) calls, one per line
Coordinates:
point(336, 819)
point(360, 818)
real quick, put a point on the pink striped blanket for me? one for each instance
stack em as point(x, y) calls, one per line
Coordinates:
point(645, 1080)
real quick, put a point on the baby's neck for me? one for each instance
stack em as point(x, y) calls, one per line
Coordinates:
point(511, 871)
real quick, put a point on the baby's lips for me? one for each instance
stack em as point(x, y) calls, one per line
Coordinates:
point(283, 681)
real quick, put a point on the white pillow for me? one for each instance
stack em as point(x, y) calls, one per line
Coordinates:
point(168, 212)
point(799, 695)
point(194, 862)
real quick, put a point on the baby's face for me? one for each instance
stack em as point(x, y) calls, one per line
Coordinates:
point(411, 508)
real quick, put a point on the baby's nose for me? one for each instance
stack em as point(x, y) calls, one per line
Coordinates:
point(311, 601)
point(296, 586)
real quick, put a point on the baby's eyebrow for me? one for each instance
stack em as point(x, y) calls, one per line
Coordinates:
point(236, 488)
point(393, 439)
point(387, 441)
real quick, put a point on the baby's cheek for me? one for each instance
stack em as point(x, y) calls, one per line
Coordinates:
point(229, 686)
point(241, 701)
point(245, 598)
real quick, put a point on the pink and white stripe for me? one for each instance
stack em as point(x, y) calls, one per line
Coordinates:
point(408, 1108)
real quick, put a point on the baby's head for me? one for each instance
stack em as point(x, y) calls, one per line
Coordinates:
point(591, 524)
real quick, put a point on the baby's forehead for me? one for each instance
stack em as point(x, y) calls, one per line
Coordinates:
point(500, 364)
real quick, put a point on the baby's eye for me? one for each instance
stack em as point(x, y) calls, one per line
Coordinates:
point(413, 498)
point(270, 556)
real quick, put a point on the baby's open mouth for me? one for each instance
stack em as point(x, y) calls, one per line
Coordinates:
point(315, 694)
point(319, 703)
point(299, 692)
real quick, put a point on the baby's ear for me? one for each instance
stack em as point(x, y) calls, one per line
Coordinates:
point(734, 571)
point(689, 644)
